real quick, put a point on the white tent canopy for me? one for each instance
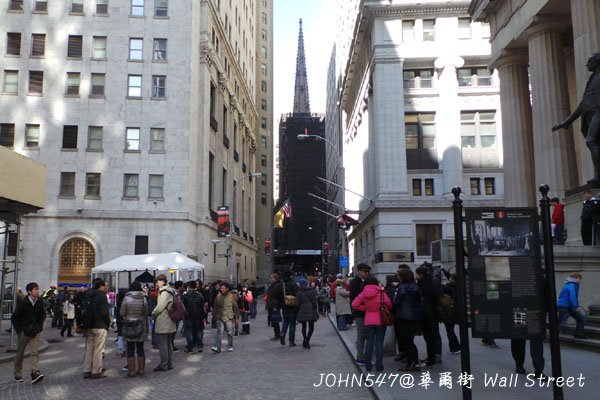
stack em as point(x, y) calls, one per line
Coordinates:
point(150, 262)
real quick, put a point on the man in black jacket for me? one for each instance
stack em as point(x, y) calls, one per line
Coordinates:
point(273, 306)
point(96, 336)
point(356, 287)
point(290, 312)
point(28, 321)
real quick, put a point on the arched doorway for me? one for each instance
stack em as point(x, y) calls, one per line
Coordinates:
point(77, 257)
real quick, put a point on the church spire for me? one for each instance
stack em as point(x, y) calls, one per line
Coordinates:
point(301, 104)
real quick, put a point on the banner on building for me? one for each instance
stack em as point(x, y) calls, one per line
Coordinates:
point(223, 224)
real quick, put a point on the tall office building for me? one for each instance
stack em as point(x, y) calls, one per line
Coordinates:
point(417, 110)
point(145, 114)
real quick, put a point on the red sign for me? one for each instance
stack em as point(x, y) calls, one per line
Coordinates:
point(267, 246)
point(223, 225)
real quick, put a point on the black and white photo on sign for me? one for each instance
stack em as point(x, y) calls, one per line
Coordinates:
point(501, 237)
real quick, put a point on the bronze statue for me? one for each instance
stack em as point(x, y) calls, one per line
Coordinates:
point(589, 111)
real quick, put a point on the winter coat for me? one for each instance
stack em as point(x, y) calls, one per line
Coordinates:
point(29, 318)
point(244, 301)
point(306, 299)
point(407, 303)
point(342, 304)
point(430, 295)
point(356, 286)
point(369, 301)
point(290, 289)
point(68, 310)
point(569, 294)
point(135, 306)
point(164, 323)
point(272, 299)
point(225, 307)
point(101, 309)
point(558, 214)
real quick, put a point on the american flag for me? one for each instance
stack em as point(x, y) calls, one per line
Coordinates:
point(287, 209)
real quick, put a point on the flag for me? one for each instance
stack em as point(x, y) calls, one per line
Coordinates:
point(287, 209)
point(278, 219)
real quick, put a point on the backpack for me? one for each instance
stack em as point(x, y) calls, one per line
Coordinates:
point(84, 311)
point(177, 312)
point(445, 308)
point(195, 306)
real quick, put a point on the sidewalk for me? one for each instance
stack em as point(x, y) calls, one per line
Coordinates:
point(8, 355)
point(485, 364)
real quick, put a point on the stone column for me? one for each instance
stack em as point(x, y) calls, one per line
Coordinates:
point(555, 162)
point(447, 121)
point(519, 170)
point(586, 40)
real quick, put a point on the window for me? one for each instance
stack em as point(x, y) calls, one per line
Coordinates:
point(263, 198)
point(159, 83)
point(263, 86)
point(475, 76)
point(94, 138)
point(99, 47)
point(132, 139)
point(416, 187)
point(485, 30)
point(263, 142)
point(11, 82)
point(263, 160)
point(92, 185)
point(263, 104)
point(159, 52)
point(263, 51)
point(157, 139)
point(36, 82)
point(263, 34)
point(38, 45)
point(130, 186)
point(13, 44)
point(464, 28)
point(69, 137)
point(7, 135)
point(428, 30)
point(420, 141)
point(77, 6)
point(264, 18)
point(67, 184)
point(408, 31)
point(141, 244)
point(490, 186)
point(102, 7)
point(475, 186)
point(427, 233)
point(136, 49)
point(263, 122)
point(75, 48)
point(263, 179)
point(263, 69)
point(478, 139)
point(211, 180)
point(76, 259)
point(41, 6)
point(73, 79)
point(155, 186)
point(137, 8)
point(418, 78)
point(161, 8)
point(15, 5)
point(98, 85)
point(134, 83)
point(429, 187)
point(32, 135)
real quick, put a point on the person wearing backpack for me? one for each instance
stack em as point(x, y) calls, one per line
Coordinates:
point(194, 302)
point(164, 326)
point(134, 327)
point(97, 329)
point(447, 313)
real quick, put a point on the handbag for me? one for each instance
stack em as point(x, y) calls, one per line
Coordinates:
point(387, 319)
point(289, 300)
point(133, 327)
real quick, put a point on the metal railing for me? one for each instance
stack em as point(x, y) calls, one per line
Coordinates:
point(7, 309)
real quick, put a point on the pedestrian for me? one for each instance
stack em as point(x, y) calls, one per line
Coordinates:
point(163, 324)
point(28, 322)
point(370, 301)
point(69, 315)
point(273, 306)
point(134, 312)
point(342, 305)
point(179, 289)
point(588, 216)
point(407, 309)
point(254, 305)
point(225, 311)
point(430, 322)
point(306, 299)
point(450, 317)
point(324, 299)
point(194, 302)
point(568, 304)
point(95, 337)
point(245, 299)
point(558, 220)
point(356, 287)
point(289, 309)
point(121, 351)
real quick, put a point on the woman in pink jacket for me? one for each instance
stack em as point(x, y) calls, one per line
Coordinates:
point(370, 300)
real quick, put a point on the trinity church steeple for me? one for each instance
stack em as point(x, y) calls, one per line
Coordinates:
point(301, 103)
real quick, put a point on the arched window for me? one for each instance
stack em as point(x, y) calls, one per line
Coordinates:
point(76, 260)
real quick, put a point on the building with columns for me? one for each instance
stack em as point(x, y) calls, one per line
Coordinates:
point(146, 115)
point(419, 113)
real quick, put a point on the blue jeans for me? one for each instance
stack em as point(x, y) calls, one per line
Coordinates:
point(194, 334)
point(342, 322)
point(253, 308)
point(375, 335)
point(563, 316)
point(289, 319)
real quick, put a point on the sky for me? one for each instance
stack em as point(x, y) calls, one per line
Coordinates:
point(318, 42)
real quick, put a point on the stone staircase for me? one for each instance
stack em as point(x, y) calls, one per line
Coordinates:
point(592, 331)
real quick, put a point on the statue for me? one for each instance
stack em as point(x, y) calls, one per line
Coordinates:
point(589, 111)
